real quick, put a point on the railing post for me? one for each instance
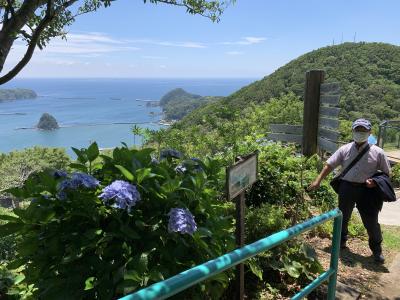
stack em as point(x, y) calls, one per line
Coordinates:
point(337, 229)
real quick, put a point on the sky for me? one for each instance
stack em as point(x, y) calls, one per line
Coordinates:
point(131, 39)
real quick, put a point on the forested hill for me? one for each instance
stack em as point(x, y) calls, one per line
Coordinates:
point(16, 94)
point(178, 103)
point(369, 74)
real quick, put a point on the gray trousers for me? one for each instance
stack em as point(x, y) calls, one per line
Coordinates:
point(365, 199)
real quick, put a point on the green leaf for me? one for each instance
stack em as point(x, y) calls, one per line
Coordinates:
point(309, 252)
point(8, 218)
point(255, 268)
point(15, 264)
point(10, 228)
point(156, 275)
point(143, 262)
point(89, 283)
point(132, 275)
point(127, 286)
point(80, 154)
point(19, 279)
point(143, 174)
point(204, 232)
point(79, 167)
point(128, 175)
point(93, 152)
point(129, 232)
point(291, 270)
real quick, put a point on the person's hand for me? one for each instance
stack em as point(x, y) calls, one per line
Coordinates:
point(370, 183)
point(314, 185)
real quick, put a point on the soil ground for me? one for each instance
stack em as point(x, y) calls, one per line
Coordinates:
point(359, 277)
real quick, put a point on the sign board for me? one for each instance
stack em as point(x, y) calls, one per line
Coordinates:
point(241, 175)
point(328, 134)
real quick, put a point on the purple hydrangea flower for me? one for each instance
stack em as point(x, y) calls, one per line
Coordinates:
point(124, 194)
point(181, 220)
point(77, 180)
point(170, 153)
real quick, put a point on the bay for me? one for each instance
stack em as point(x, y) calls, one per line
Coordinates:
point(88, 109)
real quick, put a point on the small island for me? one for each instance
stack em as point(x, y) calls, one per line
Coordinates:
point(47, 122)
point(16, 94)
point(178, 103)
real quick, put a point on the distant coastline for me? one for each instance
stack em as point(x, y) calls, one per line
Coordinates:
point(16, 94)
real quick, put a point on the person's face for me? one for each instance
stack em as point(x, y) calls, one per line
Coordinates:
point(361, 134)
point(361, 129)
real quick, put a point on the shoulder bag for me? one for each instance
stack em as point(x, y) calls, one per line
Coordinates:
point(335, 182)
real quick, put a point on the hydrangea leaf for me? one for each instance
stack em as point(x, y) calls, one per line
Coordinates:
point(128, 175)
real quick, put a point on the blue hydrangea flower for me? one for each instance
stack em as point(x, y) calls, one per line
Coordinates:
point(180, 169)
point(170, 153)
point(122, 193)
point(86, 180)
point(76, 181)
point(181, 220)
point(154, 161)
point(60, 174)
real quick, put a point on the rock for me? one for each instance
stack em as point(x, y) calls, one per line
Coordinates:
point(47, 122)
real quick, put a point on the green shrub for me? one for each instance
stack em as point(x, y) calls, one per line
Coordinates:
point(396, 175)
point(281, 267)
point(356, 227)
point(7, 243)
point(76, 245)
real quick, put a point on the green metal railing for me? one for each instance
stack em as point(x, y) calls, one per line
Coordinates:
point(186, 279)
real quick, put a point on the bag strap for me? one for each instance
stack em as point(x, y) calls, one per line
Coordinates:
point(358, 157)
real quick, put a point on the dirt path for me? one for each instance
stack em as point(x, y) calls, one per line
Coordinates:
point(359, 277)
point(389, 283)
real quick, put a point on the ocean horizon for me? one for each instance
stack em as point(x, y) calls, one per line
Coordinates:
point(94, 109)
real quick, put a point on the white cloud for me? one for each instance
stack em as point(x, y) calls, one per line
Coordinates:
point(234, 53)
point(154, 57)
point(92, 37)
point(170, 43)
point(249, 40)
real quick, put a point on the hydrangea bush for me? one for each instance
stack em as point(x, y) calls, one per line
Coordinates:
point(120, 223)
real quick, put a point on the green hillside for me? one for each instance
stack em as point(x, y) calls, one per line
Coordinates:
point(178, 103)
point(369, 74)
point(16, 94)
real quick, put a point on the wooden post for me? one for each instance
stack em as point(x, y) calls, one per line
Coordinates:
point(240, 205)
point(379, 143)
point(314, 78)
point(240, 176)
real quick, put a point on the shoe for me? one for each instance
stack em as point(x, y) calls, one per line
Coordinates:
point(379, 258)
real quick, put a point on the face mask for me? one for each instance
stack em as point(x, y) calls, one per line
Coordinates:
point(360, 137)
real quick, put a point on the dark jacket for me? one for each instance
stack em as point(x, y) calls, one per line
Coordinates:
point(385, 190)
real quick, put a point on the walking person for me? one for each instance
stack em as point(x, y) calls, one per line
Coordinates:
point(357, 186)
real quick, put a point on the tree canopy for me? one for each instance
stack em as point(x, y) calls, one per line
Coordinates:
point(367, 72)
point(36, 22)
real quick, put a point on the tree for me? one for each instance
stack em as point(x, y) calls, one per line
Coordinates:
point(38, 21)
point(136, 130)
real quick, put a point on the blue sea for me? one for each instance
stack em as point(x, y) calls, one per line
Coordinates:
point(90, 109)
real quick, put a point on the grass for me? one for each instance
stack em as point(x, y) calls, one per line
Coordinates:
point(391, 237)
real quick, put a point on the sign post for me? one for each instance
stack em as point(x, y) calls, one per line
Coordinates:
point(239, 177)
